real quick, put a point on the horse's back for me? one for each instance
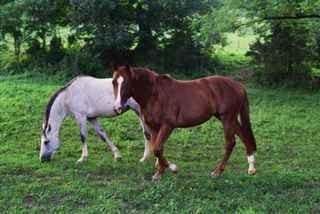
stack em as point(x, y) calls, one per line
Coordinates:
point(91, 96)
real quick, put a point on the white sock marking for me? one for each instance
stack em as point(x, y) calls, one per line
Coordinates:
point(251, 161)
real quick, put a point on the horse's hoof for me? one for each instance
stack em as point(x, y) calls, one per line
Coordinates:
point(81, 160)
point(252, 171)
point(142, 159)
point(173, 168)
point(117, 156)
point(216, 173)
point(156, 177)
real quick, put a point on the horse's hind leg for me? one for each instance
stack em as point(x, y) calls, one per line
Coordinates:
point(250, 149)
point(229, 134)
point(82, 122)
point(103, 135)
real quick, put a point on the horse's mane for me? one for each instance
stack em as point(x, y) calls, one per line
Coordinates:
point(160, 83)
point(53, 98)
point(144, 71)
point(150, 72)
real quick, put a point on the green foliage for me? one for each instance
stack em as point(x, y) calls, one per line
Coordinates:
point(287, 45)
point(284, 52)
point(182, 35)
point(158, 33)
point(12, 23)
point(288, 178)
point(56, 51)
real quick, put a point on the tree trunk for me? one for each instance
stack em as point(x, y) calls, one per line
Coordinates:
point(17, 47)
point(146, 40)
point(44, 39)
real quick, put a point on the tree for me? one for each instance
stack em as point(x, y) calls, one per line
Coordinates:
point(286, 32)
point(13, 23)
point(43, 16)
point(146, 28)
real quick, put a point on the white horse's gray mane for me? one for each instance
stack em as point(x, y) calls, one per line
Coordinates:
point(51, 101)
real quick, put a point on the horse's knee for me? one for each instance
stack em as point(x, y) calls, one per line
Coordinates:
point(147, 135)
point(157, 152)
point(229, 146)
point(83, 138)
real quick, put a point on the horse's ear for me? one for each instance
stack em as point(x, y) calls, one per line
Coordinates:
point(113, 66)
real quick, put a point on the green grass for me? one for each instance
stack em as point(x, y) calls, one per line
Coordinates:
point(286, 125)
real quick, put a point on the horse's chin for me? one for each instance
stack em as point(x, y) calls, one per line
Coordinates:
point(118, 111)
point(46, 157)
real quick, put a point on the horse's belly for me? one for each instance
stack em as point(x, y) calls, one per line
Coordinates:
point(192, 121)
point(101, 107)
point(192, 117)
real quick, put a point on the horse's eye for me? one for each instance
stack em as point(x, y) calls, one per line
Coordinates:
point(46, 142)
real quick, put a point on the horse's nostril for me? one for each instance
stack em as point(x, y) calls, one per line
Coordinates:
point(45, 158)
point(118, 110)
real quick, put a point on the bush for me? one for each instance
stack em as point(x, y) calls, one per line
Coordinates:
point(56, 51)
point(283, 54)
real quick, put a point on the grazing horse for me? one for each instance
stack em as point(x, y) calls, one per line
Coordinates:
point(167, 103)
point(86, 98)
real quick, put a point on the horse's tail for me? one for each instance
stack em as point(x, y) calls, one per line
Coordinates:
point(246, 125)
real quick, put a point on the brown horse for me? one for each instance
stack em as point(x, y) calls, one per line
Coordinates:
point(167, 103)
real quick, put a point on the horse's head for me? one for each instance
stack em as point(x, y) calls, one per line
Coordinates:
point(122, 86)
point(49, 143)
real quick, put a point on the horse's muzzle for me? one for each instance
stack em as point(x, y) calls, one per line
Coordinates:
point(118, 109)
point(45, 158)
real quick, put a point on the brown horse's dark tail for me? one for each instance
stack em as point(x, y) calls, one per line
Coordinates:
point(246, 127)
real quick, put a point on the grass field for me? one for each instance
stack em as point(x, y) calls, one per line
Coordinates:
point(286, 124)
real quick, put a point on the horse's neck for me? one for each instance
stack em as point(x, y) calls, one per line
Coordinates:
point(57, 114)
point(143, 89)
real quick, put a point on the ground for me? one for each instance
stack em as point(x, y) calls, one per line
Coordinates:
point(285, 122)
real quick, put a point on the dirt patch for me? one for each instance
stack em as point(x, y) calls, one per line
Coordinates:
point(29, 200)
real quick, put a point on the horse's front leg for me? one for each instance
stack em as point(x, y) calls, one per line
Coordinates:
point(157, 142)
point(104, 137)
point(147, 138)
point(133, 105)
point(82, 122)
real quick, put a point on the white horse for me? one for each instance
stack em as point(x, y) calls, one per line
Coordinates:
point(86, 98)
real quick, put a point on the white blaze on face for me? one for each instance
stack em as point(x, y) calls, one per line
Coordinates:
point(117, 104)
